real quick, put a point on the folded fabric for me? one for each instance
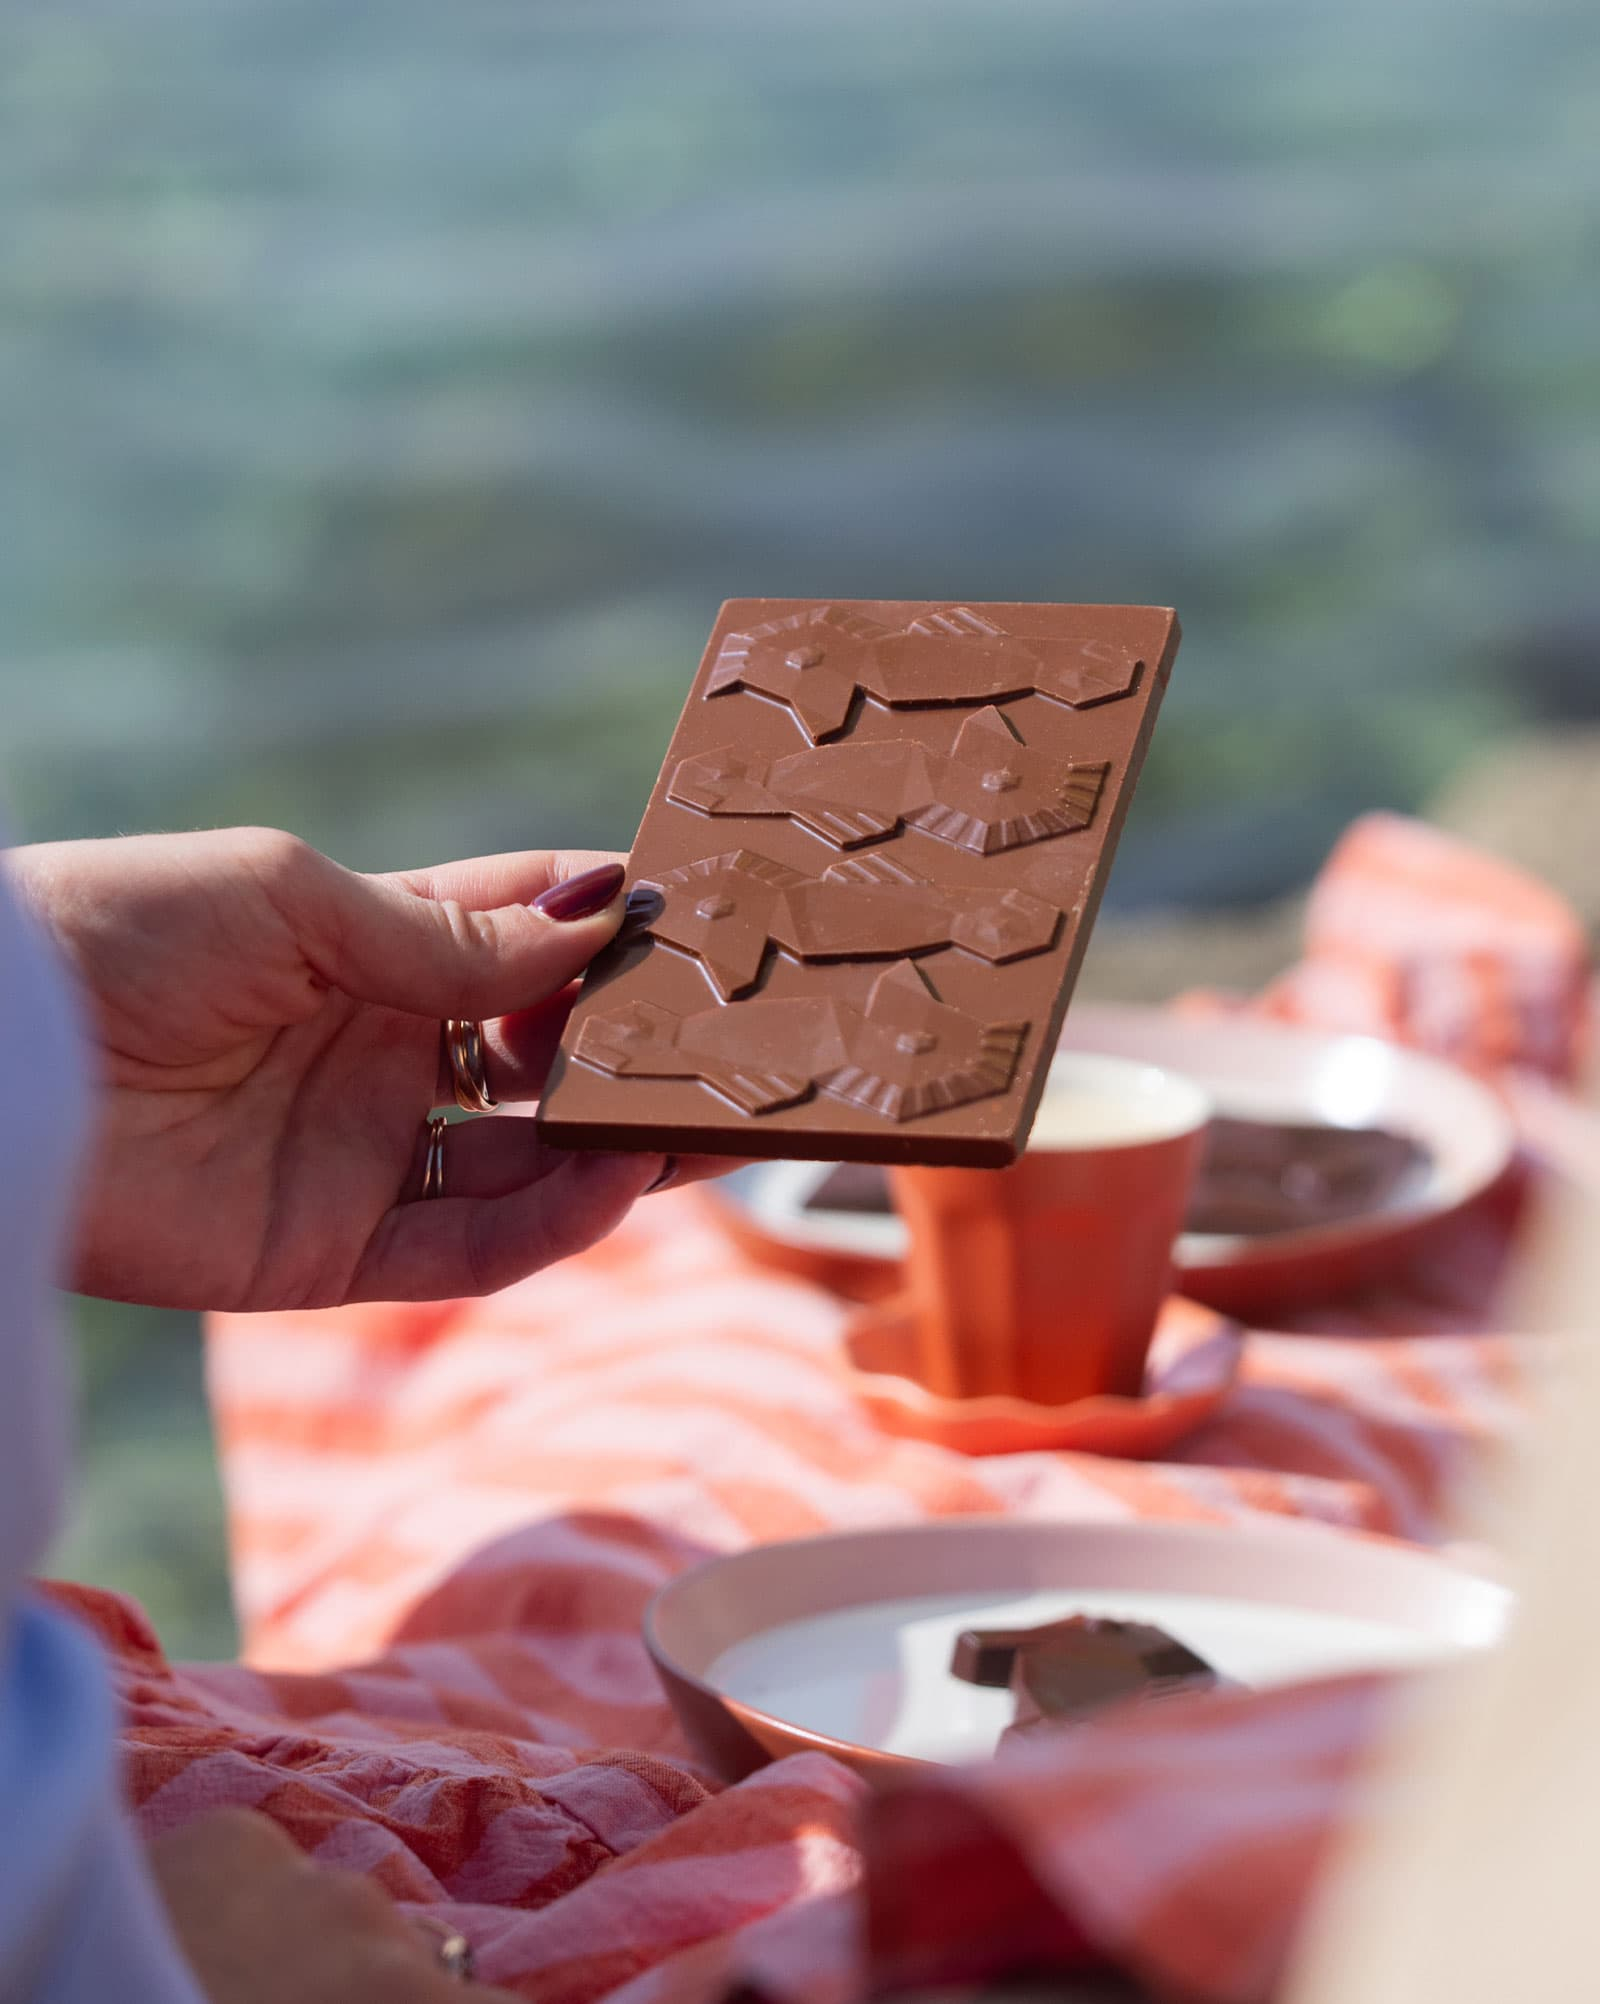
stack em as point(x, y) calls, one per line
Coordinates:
point(1412, 935)
point(447, 1522)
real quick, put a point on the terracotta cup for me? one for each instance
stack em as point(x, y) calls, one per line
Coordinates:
point(1043, 1281)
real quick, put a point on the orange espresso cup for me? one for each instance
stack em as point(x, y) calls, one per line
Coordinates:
point(1043, 1281)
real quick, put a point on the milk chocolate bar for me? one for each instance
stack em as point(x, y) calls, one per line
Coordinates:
point(867, 873)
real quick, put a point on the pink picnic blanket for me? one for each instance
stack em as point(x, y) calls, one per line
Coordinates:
point(447, 1521)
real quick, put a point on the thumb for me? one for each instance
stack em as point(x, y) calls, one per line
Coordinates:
point(385, 943)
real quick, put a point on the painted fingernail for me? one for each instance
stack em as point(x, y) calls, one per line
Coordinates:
point(582, 896)
point(644, 906)
point(669, 1171)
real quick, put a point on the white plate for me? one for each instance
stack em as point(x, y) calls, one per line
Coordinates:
point(845, 1641)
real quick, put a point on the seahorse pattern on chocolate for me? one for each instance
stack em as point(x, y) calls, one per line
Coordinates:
point(816, 662)
point(991, 793)
point(904, 1054)
point(728, 910)
point(959, 781)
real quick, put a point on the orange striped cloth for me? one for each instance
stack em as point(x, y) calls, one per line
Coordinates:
point(447, 1521)
point(1413, 935)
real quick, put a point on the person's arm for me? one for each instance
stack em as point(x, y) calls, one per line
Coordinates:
point(268, 1032)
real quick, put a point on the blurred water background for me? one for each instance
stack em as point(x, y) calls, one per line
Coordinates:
point(389, 394)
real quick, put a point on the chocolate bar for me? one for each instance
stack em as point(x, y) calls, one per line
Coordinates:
point(868, 871)
point(1262, 1176)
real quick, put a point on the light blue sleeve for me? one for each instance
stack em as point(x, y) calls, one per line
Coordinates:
point(80, 1922)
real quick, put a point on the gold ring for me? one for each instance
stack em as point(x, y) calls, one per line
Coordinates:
point(433, 1160)
point(463, 1047)
point(451, 1946)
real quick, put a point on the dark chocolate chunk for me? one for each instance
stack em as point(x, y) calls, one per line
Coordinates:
point(1088, 1663)
point(1065, 1669)
point(1265, 1176)
point(860, 1188)
point(877, 846)
point(985, 1655)
point(1088, 1648)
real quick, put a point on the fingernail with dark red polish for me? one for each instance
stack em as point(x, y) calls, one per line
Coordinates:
point(667, 1177)
point(645, 905)
point(581, 897)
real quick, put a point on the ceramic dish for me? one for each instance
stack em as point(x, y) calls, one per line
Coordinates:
point(1193, 1360)
point(842, 1644)
point(1249, 1069)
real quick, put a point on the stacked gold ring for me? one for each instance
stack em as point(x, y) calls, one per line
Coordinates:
point(451, 1946)
point(433, 1157)
point(463, 1049)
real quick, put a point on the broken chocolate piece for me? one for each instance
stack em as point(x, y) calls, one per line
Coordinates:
point(1263, 1176)
point(1091, 1662)
point(876, 850)
point(986, 1655)
point(1065, 1668)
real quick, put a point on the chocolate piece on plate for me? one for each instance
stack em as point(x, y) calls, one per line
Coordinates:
point(986, 1655)
point(1279, 1176)
point(1064, 1669)
point(866, 878)
point(1088, 1662)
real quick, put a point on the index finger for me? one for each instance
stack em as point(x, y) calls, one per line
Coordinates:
point(484, 883)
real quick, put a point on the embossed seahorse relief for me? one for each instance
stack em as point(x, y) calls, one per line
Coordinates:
point(728, 910)
point(815, 663)
point(905, 1055)
point(992, 792)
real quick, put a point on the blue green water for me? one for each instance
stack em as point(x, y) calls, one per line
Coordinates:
point(389, 393)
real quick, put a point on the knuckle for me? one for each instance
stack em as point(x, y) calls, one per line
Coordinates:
point(273, 852)
point(471, 932)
